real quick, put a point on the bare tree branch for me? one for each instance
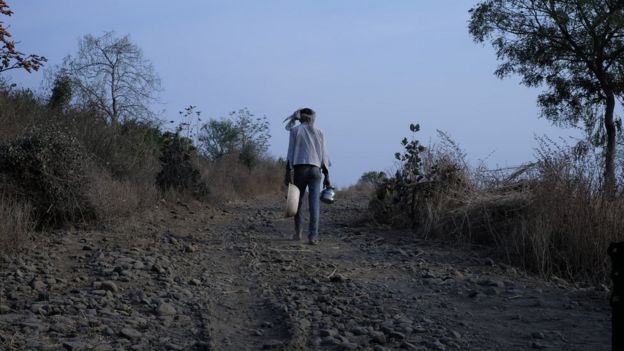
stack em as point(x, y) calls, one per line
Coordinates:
point(113, 73)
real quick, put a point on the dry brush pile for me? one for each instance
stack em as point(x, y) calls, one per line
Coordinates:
point(549, 216)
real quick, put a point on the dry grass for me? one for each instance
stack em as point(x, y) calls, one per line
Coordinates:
point(549, 217)
point(17, 223)
point(19, 112)
point(115, 198)
point(556, 223)
point(357, 189)
point(229, 179)
point(568, 225)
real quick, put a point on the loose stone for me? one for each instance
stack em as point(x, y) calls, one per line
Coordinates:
point(378, 337)
point(166, 309)
point(109, 285)
point(38, 285)
point(131, 333)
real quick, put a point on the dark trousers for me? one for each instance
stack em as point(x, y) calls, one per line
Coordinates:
point(308, 176)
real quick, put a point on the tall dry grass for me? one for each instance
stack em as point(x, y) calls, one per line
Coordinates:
point(17, 223)
point(119, 198)
point(356, 189)
point(229, 179)
point(568, 223)
point(549, 216)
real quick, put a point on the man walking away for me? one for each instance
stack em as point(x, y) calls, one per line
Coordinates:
point(307, 158)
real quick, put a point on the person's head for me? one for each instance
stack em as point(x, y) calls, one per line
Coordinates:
point(306, 115)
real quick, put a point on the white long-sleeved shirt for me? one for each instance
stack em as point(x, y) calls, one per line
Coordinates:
point(307, 146)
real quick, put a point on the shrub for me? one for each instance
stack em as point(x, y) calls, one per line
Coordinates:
point(427, 183)
point(47, 169)
point(179, 170)
point(61, 93)
point(129, 151)
point(372, 179)
point(367, 183)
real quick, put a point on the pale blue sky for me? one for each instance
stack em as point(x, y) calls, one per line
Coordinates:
point(369, 69)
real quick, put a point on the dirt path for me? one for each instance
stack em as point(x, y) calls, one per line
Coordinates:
point(189, 277)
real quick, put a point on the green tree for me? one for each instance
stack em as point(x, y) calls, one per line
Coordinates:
point(218, 138)
point(575, 48)
point(373, 178)
point(253, 136)
point(240, 133)
point(61, 93)
point(111, 75)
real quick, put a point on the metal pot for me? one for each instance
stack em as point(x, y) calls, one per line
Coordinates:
point(327, 195)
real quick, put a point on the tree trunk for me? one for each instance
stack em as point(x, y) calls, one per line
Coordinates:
point(115, 114)
point(609, 170)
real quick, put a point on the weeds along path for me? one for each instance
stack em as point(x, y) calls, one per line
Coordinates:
point(190, 277)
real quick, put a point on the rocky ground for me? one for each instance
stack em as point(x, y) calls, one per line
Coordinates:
point(193, 277)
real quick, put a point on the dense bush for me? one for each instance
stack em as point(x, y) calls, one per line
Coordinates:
point(372, 179)
point(179, 170)
point(425, 182)
point(47, 170)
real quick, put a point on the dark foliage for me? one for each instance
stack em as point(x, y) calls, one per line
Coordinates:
point(574, 48)
point(47, 169)
point(401, 199)
point(179, 170)
point(61, 93)
point(372, 178)
point(242, 134)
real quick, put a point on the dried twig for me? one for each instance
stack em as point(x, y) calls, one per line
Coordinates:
point(332, 273)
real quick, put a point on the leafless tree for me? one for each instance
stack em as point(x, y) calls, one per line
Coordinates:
point(111, 75)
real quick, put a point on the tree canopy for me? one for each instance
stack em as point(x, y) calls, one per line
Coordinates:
point(242, 133)
point(573, 48)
